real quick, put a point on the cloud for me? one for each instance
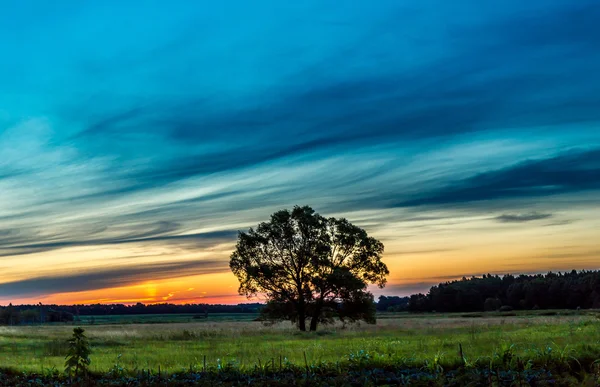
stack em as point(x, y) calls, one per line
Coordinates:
point(488, 80)
point(109, 277)
point(157, 133)
point(12, 242)
point(570, 172)
point(521, 218)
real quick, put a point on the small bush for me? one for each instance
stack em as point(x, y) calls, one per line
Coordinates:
point(505, 308)
point(78, 355)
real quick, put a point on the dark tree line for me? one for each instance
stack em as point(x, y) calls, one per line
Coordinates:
point(33, 314)
point(569, 290)
point(392, 304)
point(165, 308)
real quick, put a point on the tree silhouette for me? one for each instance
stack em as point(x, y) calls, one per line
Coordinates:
point(569, 290)
point(309, 267)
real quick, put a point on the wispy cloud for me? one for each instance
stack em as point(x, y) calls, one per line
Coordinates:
point(12, 242)
point(570, 172)
point(521, 218)
point(178, 130)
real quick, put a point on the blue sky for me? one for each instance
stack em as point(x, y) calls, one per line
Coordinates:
point(137, 138)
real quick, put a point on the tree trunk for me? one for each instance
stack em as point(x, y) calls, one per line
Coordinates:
point(314, 321)
point(302, 323)
point(313, 324)
point(302, 315)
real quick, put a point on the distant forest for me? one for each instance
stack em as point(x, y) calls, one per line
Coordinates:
point(29, 314)
point(570, 290)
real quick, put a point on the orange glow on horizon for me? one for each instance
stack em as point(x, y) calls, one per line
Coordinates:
point(207, 289)
point(443, 253)
point(410, 273)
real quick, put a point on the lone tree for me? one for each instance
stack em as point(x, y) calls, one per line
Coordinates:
point(309, 267)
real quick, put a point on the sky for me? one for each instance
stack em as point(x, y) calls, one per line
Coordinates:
point(137, 138)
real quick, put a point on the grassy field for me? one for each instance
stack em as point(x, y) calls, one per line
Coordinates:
point(164, 318)
point(399, 339)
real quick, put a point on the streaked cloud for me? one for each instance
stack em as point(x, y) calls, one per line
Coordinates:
point(520, 218)
point(573, 171)
point(429, 123)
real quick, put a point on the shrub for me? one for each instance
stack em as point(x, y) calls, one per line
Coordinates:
point(506, 308)
point(78, 355)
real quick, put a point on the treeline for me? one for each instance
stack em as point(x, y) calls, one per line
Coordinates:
point(569, 290)
point(38, 313)
point(392, 304)
point(31, 314)
point(139, 308)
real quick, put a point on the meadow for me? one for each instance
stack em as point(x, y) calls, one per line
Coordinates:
point(567, 342)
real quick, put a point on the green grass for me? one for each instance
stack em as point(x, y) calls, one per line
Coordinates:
point(396, 339)
point(165, 318)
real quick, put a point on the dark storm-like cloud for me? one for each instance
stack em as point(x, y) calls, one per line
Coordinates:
point(570, 172)
point(109, 277)
point(522, 218)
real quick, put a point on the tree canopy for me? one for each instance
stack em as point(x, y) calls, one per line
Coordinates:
point(309, 268)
